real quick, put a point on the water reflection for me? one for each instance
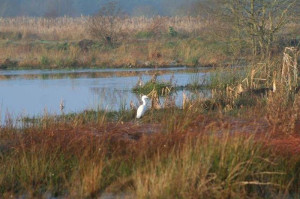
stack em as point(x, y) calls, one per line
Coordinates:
point(88, 73)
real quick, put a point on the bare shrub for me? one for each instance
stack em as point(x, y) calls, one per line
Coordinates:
point(254, 25)
point(158, 26)
point(289, 72)
point(104, 26)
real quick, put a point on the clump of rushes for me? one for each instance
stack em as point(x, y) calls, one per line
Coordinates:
point(222, 78)
point(161, 88)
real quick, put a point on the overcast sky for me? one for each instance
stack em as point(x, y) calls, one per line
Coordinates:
point(11, 8)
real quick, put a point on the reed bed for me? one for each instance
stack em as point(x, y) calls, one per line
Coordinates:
point(68, 28)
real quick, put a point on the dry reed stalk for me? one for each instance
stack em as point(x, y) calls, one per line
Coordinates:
point(239, 89)
point(166, 91)
point(155, 103)
point(289, 71)
point(252, 78)
point(185, 101)
point(274, 81)
point(258, 183)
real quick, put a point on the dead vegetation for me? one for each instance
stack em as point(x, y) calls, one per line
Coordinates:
point(120, 41)
point(67, 28)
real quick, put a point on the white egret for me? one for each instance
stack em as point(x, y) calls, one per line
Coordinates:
point(142, 108)
point(62, 105)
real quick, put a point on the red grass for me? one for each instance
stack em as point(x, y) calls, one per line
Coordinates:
point(286, 146)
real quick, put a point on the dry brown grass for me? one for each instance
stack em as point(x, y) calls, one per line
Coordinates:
point(141, 42)
point(77, 159)
point(137, 54)
point(75, 28)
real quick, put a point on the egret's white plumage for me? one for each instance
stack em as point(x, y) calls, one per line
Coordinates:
point(62, 105)
point(142, 108)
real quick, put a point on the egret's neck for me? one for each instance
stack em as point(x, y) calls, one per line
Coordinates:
point(144, 102)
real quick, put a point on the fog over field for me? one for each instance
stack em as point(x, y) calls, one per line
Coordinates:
point(53, 8)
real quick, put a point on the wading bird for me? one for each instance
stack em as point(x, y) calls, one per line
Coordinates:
point(142, 108)
point(62, 105)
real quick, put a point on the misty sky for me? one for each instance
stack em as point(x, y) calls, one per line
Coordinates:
point(53, 8)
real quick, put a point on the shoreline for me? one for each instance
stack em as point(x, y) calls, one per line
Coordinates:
point(160, 67)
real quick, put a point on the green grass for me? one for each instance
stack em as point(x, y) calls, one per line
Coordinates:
point(160, 87)
point(144, 35)
point(222, 77)
point(45, 61)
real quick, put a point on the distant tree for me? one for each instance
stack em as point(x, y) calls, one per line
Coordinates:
point(260, 20)
point(104, 25)
point(252, 22)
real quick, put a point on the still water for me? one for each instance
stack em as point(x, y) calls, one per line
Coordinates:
point(34, 92)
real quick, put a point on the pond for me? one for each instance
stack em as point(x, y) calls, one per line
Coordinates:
point(36, 92)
